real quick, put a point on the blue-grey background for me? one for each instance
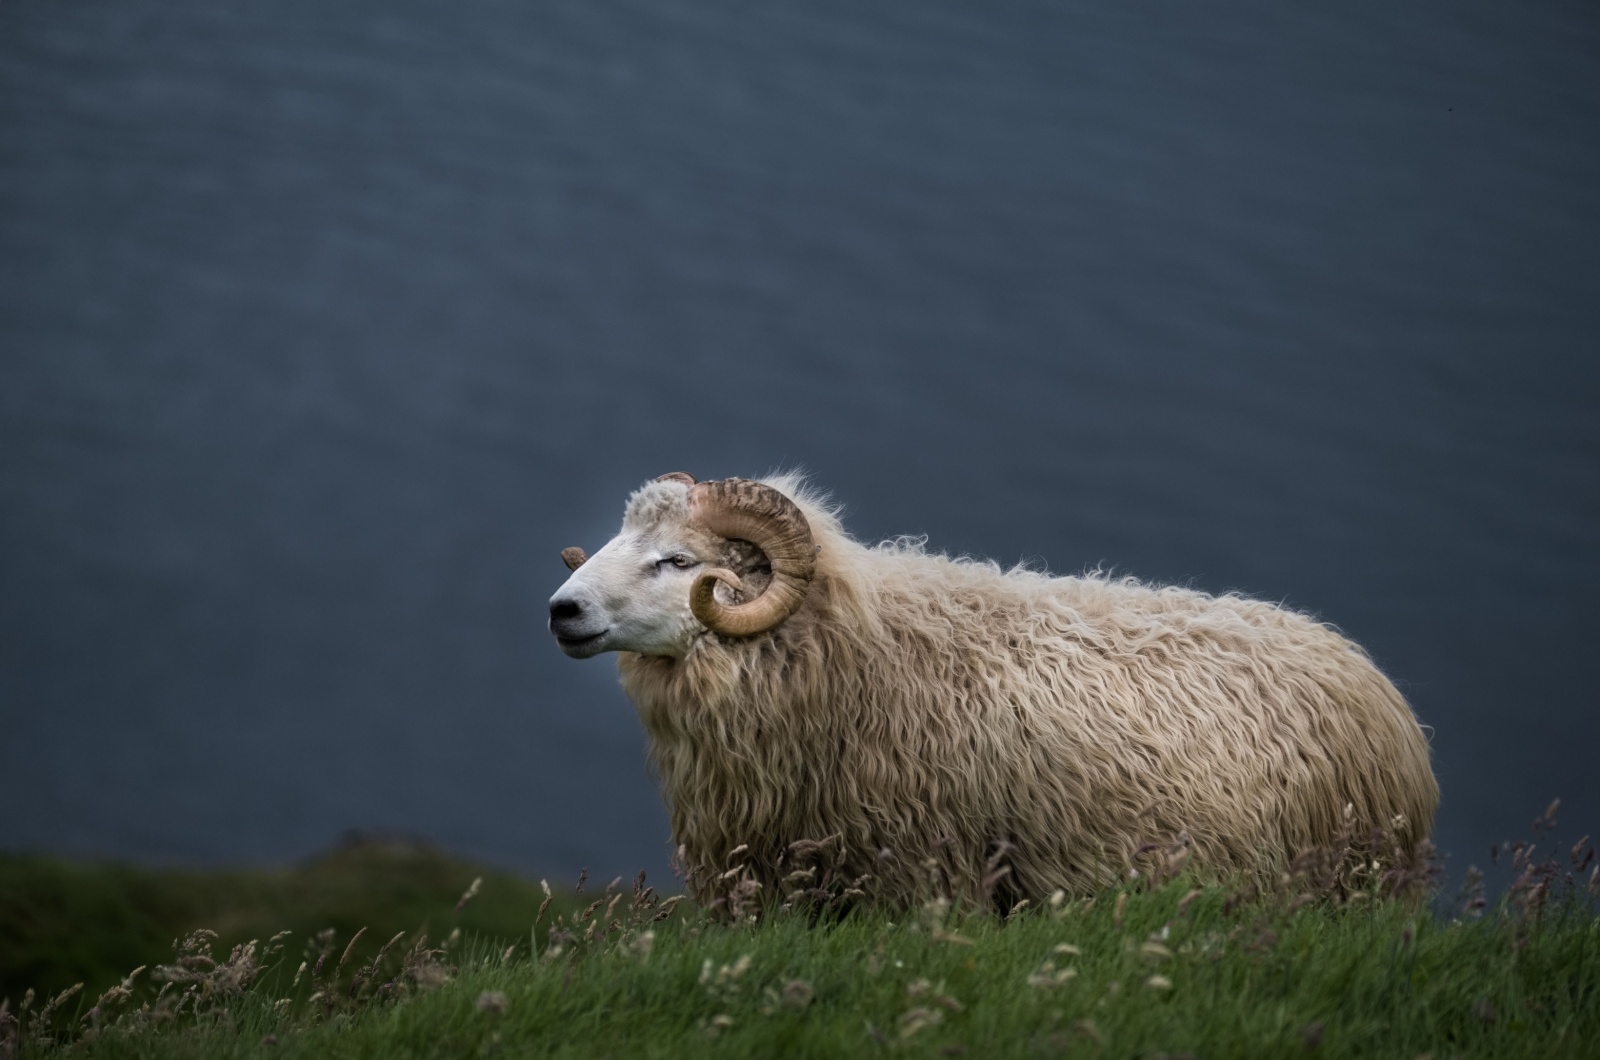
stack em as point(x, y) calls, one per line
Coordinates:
point(323, 327)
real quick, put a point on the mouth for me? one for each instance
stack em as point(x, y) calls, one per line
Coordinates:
point(581, 645)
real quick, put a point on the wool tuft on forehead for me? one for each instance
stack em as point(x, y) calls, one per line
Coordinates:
point(656, 503)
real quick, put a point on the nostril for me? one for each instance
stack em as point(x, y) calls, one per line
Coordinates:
point(564, 609)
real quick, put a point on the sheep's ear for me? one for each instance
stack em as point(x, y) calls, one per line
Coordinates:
point(677, 476)
point(574, 557)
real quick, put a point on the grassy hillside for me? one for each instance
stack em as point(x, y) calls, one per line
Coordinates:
point(67, 922)
point(1168, 970)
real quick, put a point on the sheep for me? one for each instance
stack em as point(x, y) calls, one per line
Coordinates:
point(1012, 733)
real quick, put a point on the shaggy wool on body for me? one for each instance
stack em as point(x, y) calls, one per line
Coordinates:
point(928, 712)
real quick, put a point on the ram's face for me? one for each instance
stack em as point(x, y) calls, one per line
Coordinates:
point(633, 594)
point(734, 557)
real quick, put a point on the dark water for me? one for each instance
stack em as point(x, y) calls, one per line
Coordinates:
point(324, 327)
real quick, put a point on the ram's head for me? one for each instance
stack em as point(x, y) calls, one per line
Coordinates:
point(734, 557)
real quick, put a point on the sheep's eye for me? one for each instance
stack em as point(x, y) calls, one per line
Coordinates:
point(679, 561)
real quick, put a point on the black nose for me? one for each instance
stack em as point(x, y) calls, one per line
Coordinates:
point(561, 610)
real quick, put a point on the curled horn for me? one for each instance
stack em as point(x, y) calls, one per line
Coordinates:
point(759, 514)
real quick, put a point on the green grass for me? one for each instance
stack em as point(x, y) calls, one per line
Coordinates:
point(65, 922)
point(1144, 973)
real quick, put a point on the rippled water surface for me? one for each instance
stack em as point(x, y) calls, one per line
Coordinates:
point(324, 327)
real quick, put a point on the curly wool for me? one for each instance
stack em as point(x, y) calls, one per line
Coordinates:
point(932, 709)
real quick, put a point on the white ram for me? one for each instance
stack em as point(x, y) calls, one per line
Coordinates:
point(925, 711)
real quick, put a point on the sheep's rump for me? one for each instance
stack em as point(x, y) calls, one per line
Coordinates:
point(929, 712)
